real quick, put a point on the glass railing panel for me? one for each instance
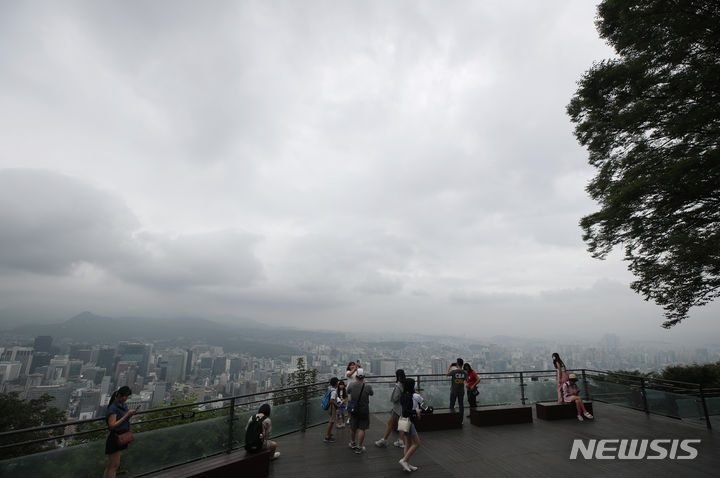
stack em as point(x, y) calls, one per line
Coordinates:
point(85, 460)
point(713, 405)
point(170, 446)
point(616, 393)
point(541, 390)
point(286, 418)
point(673, 404)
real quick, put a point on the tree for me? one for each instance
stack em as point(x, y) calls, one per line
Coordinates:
point(18, 414)
point(707, 374)
point(296, 381)
point(651, 122)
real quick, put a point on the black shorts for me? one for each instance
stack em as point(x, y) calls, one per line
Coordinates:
point(111, 444)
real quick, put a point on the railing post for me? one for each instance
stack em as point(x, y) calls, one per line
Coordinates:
point(707, 415)
point(305, 408)
point(644, 396)
point(585, 386)
point(417, 385)
point(231, 425)
point(522, 389)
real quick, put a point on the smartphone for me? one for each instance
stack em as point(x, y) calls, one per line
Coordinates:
point(138, 408)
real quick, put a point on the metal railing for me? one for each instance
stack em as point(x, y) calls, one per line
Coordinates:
point(298, 407)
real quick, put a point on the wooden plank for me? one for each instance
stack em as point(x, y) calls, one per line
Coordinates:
point(501, 415)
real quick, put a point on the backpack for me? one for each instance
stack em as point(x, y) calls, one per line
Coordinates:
point(255, 435)
point(326, 399)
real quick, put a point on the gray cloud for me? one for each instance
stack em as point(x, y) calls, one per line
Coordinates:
point(54, 224)
point(301, 162)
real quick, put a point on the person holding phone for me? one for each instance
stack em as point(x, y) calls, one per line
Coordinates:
point(457, 385)
point(118, 421)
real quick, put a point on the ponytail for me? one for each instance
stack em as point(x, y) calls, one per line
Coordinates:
point(123, 391)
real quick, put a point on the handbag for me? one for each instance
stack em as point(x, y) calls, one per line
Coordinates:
point(475, 391)
point(125, 438)
point(404, 424)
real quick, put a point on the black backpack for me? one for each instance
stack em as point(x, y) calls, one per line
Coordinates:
point(255, 435)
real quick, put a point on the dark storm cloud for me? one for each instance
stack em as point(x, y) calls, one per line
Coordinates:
point(53, 224)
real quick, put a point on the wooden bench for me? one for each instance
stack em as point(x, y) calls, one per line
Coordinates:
point(438, 421)
point(558, 411)
point(238, 463)
point(501, 415)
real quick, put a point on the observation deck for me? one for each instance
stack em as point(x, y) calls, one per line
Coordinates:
point(626, 407)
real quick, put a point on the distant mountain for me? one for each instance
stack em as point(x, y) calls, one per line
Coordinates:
point(247, 336)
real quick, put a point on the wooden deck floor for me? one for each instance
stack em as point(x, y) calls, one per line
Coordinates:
point(540, 449)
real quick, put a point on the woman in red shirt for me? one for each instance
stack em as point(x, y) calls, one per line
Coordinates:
point(471, 383)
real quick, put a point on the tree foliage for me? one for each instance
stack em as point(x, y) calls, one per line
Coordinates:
point(707, 374)
point(296, 382)
point(650, 119)
point(18, 414)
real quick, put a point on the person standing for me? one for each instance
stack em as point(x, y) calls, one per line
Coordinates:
point(118, 421)
point(411, 401)
point(562, 374)
point(332, 411)
point(342, 399)
point(471, 383)
point(360, 393)
point(395, 412)
point(457, 385)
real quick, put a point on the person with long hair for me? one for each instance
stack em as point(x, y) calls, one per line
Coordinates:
point(118, 421)
point(562, 374)
point(351, 373)
point(395, 412)
point(411, 401)
point(471, 383)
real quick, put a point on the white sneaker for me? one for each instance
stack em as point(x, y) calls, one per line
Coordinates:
point(405, 465)
point(352, 445)
point(412, 468)
point(276, 455)
point(381, 443)
point(580, 418)
point(587, 415)
point(359, 450)
point(399, 443)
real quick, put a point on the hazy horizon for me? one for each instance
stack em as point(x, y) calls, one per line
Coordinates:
point(320, 165)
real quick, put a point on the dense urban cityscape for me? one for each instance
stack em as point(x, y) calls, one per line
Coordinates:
point(81, 375)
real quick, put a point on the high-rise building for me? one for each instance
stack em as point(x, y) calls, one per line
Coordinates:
point(439, 366)
point(9, 371)
point(106, 360)
point(136, 352)
point(43, 343)
point(60, 395)
point(176, 366)
point(23, 355)
point(219, 366)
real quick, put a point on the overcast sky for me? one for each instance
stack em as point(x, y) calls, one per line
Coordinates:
point(320, 164)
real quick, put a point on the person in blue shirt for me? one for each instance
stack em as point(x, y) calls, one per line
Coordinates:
point(118, 421)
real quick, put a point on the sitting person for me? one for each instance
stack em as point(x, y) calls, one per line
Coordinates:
point(571, 393)
point(263, 416)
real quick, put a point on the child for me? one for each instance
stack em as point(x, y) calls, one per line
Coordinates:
point(332, 411)
point(342, 399)
point(571, 393)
